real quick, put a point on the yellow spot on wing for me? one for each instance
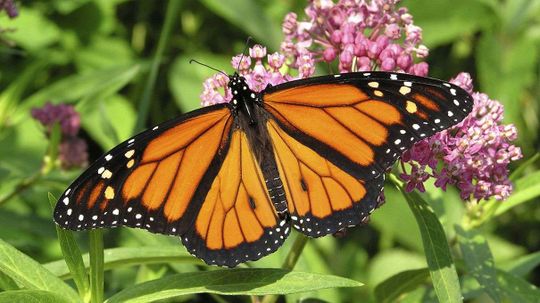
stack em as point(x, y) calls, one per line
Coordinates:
point(107, 174)
point(109, 193)
point(404, 90)
point(373, 84)
point(129, 153)
point(411, 107)
point(130, 163)
point(378, 93)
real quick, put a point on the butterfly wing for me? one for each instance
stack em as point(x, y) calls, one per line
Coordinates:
point(237, 221)
point(362, 122)
point(322, 198)
point(335, 136)
point(157, 180)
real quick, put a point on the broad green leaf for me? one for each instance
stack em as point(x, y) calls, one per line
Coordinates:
point(31, 275)
point(104, 52)
point(403, 229)
point(76, 87)
point(517, 289)
point(6, 283)
point(506, 68)
point(390, 262)
point(479, 260)
point(526, 189)
point(102, 122)
point(523, 265)
point(32, 296)
point(72, 256)
point(34, 31)
point(186, 80)
point(250, 17)
point(446, 21)
point(390, 289)
point(441, 266)
point(230, 282)
point(130, 256)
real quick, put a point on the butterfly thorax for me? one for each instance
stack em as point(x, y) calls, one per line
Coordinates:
point(244, 99)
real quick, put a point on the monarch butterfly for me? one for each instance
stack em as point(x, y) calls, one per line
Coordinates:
point(232, 180)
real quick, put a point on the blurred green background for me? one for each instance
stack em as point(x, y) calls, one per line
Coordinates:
point(97, 54)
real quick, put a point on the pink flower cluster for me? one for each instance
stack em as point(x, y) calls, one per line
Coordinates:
point(473, 156)
point(362, 35)
point(257, 75)
point(377, 35)
point(72, 149)
point(9, 7)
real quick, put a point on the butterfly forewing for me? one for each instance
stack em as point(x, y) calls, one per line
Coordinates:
point(156, 180)
point(362, 122)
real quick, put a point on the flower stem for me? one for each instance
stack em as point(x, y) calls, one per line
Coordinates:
point(172, 12)
point(96, 265)
point(290, 261)
point(295, 252)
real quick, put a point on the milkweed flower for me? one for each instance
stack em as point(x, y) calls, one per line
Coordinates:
point(259, 69)
point(473, 156)
point(362, 35)
point(72, 149)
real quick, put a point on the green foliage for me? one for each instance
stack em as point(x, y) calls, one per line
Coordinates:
point(125, 66)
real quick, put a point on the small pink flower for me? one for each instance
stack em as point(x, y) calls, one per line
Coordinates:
point(474, 155)
point(72, 150)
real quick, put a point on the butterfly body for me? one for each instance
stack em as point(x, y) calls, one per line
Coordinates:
point(232, 180)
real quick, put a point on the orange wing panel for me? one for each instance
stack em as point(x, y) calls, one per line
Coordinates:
point(318, 188)
point(239, 188)
point(321, 95)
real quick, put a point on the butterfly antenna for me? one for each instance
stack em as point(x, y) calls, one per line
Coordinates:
point(243, 53)
point(206, 65)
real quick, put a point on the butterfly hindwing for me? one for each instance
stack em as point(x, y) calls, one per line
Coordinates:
point(322, 198)
point(362, 122)
point(237, 221)
point(155, 180)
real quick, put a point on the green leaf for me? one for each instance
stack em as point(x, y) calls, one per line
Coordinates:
point(34, 32)
point(392, 261)
point(522, 265)
point(526, 189)
point(186, 80)
point(29, 274)
point(446, 21)
point(32, 296)
point(441, 266)
point(250, 17)
point(231, 282)
point(130, 256)
point(517, 289)
point(76, 87)
point(479, 260)
point(96, 265)
point(102, 121)
point(506, 68)
point(6, 283)
point(390, 289)
point(72, 256)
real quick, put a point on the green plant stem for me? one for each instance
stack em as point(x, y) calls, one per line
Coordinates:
point(49, 163)
point(144, 105)
point(22, 186)
point(290, 261)
point(96, 265)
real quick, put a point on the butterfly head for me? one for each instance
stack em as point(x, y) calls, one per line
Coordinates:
point(243, 98)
